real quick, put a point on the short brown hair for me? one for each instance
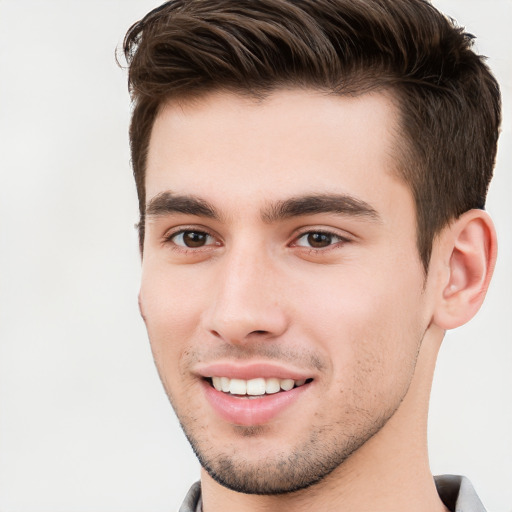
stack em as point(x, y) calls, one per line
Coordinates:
point(448, 100)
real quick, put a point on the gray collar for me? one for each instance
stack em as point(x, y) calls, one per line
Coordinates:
point(456, 492)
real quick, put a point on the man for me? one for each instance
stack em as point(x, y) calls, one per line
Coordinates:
point(311, 177)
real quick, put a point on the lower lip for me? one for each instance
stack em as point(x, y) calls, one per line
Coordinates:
point(251, 411)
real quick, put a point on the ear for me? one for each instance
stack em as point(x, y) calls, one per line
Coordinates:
point(468, 250)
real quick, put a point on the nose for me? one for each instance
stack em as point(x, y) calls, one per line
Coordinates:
point(247, 304)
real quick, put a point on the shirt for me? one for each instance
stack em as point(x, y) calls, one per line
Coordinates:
point(456, 492)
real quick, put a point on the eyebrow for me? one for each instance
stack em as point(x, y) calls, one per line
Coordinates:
point(167, 203)
point(342, 204)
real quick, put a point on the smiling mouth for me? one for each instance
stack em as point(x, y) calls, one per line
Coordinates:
point(254, 388)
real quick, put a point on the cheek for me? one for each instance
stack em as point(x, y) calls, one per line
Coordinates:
point(171, 303)
point(169, 294)
point(369, 327)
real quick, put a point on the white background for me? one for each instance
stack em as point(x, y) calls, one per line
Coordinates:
point(84, 423)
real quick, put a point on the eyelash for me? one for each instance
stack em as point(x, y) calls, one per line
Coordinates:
point(340, 240)
point(171, 237)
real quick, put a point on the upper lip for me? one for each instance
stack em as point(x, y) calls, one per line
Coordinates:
point(249, 371)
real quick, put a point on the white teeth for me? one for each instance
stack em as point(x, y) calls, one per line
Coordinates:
point(287, 384)
point(238, 387)
point(255, 387)
point(272, 386)
point(224, 382)
point(216, 381)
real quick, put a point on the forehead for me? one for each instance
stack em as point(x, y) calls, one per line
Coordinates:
point(290, 143)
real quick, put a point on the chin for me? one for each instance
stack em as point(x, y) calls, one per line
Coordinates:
point(262, 469)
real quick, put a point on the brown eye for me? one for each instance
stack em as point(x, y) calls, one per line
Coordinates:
point(192, 239)
point(319, 240)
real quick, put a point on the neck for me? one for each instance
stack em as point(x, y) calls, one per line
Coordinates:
point(389, 473)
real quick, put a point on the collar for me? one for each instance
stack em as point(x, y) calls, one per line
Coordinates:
point(455, 491)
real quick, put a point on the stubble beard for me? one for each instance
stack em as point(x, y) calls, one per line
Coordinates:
point(303, 466)
point(300, 464)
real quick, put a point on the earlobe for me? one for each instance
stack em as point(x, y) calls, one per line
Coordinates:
point(469, 251)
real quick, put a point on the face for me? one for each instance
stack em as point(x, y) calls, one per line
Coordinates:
point(281, 288)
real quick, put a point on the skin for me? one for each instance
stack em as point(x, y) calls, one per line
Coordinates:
point(356, 313)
